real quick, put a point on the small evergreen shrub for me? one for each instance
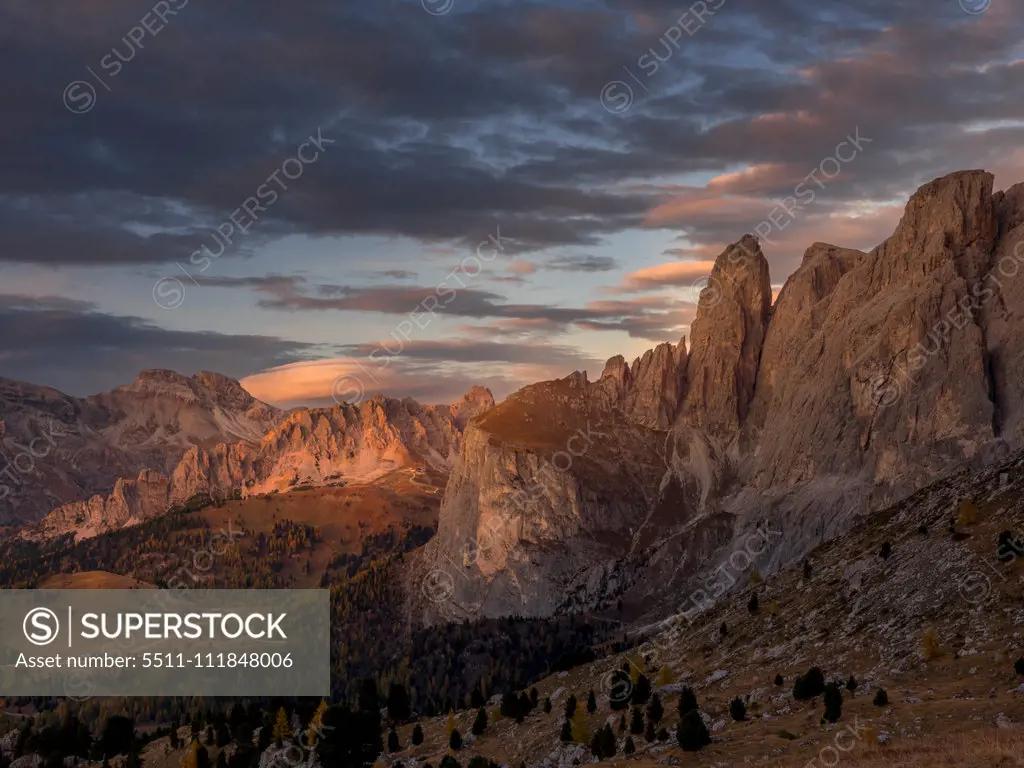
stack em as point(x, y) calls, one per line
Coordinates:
point(641, 691)
point(1018, 666)
point(885, 551)
point(570, 707)
point(662, 734)
point(833, 703)
point(455, 740)
point(752, 603)
point(636, 724)
point(480, 724)
point(393, 744)
point(566, 734)
point(417, 734)
point(654, 709)
point(810, 685)
point(629, 747)
point(881, 698)
point(738, 710)
point(779, 680)
point(687, 700)
point(692, 734)
point(621, 690)
point(851, 684)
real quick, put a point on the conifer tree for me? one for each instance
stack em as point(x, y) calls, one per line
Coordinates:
point(480, 724)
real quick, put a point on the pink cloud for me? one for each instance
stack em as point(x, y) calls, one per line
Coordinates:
point(521, 267)
point(673, 273)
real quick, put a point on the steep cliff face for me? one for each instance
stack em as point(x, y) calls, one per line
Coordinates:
point(886, 377)
point(58, 448)
point(551, 486)
point(873, 374)
point(1003, 315)
point(648, 391)
point(726, 340)
point(314, 447)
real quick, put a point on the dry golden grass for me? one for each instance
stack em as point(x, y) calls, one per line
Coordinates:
point(978, 750)
point(345, 516)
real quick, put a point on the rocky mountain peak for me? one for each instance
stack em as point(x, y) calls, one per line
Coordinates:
point(873, 374)
point(958, 205)
point(656, 382)
point(616, 369)
point(726, 339)
point(1009, 206)
point(950, 221)
point(479, 396)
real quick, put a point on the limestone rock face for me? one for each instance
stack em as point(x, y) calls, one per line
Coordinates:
point(658, 379)
point(1003, 315)
point(885, 377)
point(57, 448)
point(873, 374)
point(650, 391)
point(550, 486)
point(726, 340)
point(308, 447)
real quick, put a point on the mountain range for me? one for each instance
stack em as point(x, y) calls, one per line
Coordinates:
point(872, 374)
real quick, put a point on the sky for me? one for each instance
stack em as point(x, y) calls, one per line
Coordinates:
point(328, 199)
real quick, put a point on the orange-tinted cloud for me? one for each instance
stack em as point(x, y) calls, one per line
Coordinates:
point(672, 273)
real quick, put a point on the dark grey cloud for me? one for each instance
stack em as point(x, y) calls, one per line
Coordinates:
point(447, 126)
point(75, 348)
point(582, 263)
point(650, 317)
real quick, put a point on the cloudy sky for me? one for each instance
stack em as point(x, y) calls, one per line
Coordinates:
point(413, 196)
